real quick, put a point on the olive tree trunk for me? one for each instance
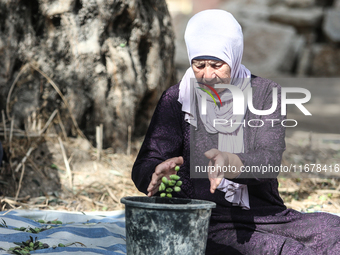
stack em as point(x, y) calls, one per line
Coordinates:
point(110, 59)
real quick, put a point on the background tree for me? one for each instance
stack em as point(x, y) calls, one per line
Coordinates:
point(110, 59)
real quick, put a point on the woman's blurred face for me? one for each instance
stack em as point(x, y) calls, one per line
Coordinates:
point(211, 72)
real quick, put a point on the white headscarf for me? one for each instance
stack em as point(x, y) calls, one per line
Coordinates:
point(216, 33)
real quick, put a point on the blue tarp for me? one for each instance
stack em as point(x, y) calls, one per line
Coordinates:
point(101, 233)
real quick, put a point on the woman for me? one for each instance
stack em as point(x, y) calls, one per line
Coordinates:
point(250, 217)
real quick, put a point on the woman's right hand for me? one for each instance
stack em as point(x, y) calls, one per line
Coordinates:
point(165, 168)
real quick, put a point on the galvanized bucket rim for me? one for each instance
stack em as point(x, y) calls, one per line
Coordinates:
point(167, 203)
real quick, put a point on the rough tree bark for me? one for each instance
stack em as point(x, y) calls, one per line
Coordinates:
point(111, 60)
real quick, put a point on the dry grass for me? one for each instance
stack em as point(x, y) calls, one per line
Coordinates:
point(96, 185)
point(99, 184)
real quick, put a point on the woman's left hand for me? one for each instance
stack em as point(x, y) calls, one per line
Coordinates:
point(220, 160)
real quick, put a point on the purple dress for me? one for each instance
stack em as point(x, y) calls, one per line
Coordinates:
point(268, 227)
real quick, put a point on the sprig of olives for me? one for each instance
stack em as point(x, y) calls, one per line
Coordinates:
point(26, 247)
point(37, 230)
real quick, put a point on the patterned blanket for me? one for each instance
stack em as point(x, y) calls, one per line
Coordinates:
point(86, 234)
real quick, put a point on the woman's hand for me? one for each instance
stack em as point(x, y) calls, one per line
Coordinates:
point(221, 160)
point(165, 168)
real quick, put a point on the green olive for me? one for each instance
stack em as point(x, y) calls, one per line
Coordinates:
point(165, 180)
point(174, 177)
point(162, 187)
point(179, 183)
point(172, 183)
point(177, 189)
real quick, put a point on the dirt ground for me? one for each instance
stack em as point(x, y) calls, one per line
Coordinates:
point(98, 184)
